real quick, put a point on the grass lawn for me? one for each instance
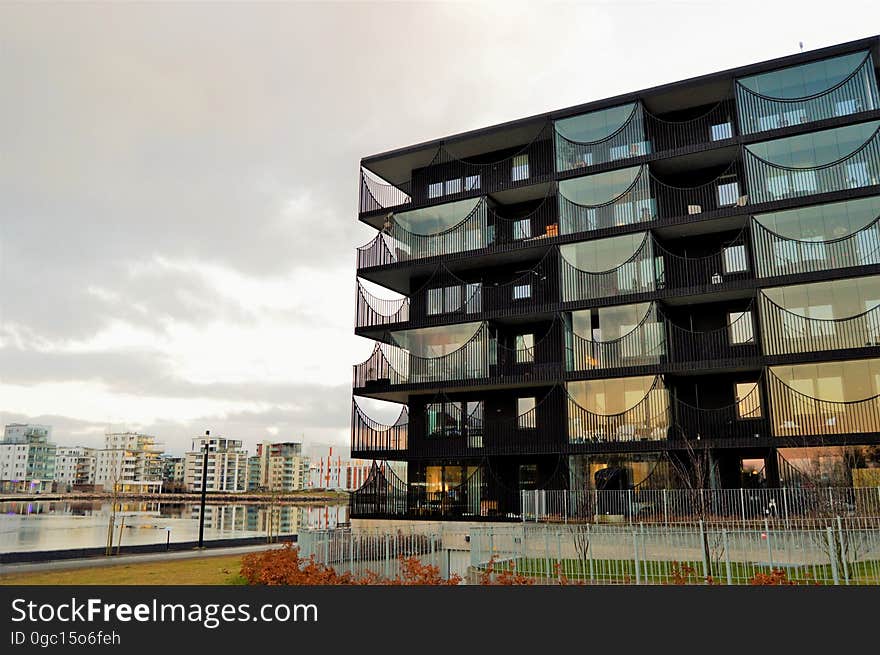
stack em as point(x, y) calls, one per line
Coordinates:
point(658, 572)
point(216, 570)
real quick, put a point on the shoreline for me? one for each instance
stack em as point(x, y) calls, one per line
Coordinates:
point(294, 497)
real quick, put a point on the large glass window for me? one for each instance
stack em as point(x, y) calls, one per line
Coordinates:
point(438, 218)
point(748, 400)
point(520, 168)
point(600, 136)
point(821, 316)
point(817, 162)
point(833, 235)
point(619, 197)
point(525, 415)
point(525, 348)
point(626, 264)
point(826, 398)
point(814, 149)
point(620, 409)
point(838, 86)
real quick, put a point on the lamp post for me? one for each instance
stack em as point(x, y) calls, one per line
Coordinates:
point(204, 489)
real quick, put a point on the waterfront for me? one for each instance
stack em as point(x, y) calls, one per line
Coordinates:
point(29, 525)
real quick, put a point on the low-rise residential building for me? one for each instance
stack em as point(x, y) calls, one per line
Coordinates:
point(280, 466)
point(27, 459)
point(227, 465)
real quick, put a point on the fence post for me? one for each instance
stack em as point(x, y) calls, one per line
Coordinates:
point(558, 553)
point(830, 534)
point(785, 504)
point(636, 556)
point(564, 506)
point(703, 550)
point(769, 547)
point(590, 551)
point(843, 557)
point(387, 555)
point(665, 507)
point(727, 556)
point(547, 551)
point(522, 504)
point(742, 504)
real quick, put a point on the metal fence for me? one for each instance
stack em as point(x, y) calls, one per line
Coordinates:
point(831, 551)
point(718, 505)
point(844, 552)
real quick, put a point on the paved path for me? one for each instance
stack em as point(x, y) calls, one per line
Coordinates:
point(115, 560)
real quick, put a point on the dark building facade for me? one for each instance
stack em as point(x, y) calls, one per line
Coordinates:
point(675, 287)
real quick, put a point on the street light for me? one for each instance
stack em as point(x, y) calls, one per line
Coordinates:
point(204, 489)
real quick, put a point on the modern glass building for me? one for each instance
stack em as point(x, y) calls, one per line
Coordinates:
point(610, 295)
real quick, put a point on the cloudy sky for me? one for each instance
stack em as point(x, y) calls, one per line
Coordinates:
point(178, 183)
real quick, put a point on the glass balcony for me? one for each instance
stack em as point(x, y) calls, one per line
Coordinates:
point(592, 202)
point(835, 315)
point(455, 352)
point(618, 410)
point(600, 137)
point(438, 230)
point(817, 238)
point(819, 162)
point(820, 90)
point(830, 398)
point(614, 337)
point(623, 265)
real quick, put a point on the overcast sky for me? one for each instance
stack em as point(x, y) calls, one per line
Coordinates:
point(178, 183)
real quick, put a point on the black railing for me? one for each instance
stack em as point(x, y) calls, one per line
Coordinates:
point(724, 191)
point(392, 366)
point(383, 494)
point(372, 311)
point(742, 419)
point(376, 194)
point(769, 182)
point(731, 342)
point(636, 275)
point(626, 142)
point(648, 420)
point(730, 264)
point(644, 345)
point(394, 243)
point(715, 124)
point(778, 255)
point(798, 415)
point(369, 435)
point(785, 332)
point(855, 93)
point(633, 205)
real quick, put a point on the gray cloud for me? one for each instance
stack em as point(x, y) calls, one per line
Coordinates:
point(230, 135)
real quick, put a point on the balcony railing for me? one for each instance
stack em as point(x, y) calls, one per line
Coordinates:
point(647, 420)
point(372, 311)
point(856, 93)
point(715, 124)
point(632, 205)
point(724, 191)
point(644, 345)
point(395, 243)
point(738, 420)
point(376, 194)
point(769, 182)
point(785, 332)
point(703, 273)
point(391, 365)
point(733, 341)
point(637, 274)
point(778, 255)
point(383, 494)
point(796, 414)
point(369, 435)
point(625, 142)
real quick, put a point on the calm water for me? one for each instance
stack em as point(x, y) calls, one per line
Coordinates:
point(31, 525)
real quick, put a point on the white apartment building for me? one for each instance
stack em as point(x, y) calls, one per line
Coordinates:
point(130, 462)
point(227, 465)
point(27, 459)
